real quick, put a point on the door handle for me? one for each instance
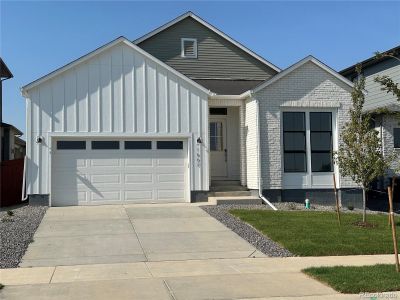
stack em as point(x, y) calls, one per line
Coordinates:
point(226, 154)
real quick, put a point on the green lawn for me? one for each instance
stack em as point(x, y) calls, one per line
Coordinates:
point(353, 280)
point(310, 233)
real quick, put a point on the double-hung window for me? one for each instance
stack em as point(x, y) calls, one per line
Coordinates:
point(294, 142)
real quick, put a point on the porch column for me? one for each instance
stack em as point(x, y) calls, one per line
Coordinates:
point(242, 140)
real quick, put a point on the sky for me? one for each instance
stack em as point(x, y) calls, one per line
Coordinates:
point(39, 37)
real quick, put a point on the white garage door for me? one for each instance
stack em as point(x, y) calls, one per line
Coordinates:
point(87, 172)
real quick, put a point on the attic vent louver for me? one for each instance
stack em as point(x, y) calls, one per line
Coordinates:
point(188, 48)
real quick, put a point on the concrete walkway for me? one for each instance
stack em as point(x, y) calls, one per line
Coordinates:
point(118, 234)
point(157, 252)
point(239, 278)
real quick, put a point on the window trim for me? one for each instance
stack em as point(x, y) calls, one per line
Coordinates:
point(183, 40)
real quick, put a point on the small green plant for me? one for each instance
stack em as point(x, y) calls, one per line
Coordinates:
point(1, 286)
point(10, 213)
point(350, 207)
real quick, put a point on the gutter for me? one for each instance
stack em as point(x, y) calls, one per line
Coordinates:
point(265, 200)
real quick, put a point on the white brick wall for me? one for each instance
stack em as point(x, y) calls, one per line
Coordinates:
point(306, 86)
point(388, 124)
point(251, 144)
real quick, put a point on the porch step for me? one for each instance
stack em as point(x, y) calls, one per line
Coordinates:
point(225, 182)
point(229, 194)
point(236, 200)
point(227, 188)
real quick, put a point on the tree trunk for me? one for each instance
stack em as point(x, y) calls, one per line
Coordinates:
point(364, 205)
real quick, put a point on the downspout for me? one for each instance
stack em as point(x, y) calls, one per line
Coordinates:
point(265, 200)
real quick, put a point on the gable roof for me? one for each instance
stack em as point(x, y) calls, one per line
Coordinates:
point(103, 48)
point(349, 71)
point(4, 70)
point(190, 14)
point(295, 66)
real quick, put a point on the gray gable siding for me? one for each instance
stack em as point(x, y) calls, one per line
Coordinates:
point(376, 97)
point(217, 57)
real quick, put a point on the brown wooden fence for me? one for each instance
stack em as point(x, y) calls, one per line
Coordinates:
point(11, 175)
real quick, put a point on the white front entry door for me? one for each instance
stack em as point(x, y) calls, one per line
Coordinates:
point(218, 151)
point(119, 172)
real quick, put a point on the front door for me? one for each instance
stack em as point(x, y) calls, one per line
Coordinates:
point(218, 151)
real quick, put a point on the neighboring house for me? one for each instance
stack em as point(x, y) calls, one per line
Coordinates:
point(11, 146)
point(178, 113)
point(376, 99)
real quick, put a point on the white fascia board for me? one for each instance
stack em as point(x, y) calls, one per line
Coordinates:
point(242, 96)
point(103, 48)
point(211, 27)
point(295, 66)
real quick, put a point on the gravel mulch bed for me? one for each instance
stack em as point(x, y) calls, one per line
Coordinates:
point(16, 232)
point(244, 230)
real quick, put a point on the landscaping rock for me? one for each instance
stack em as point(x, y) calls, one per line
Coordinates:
point(16, 232)
point(244, 230)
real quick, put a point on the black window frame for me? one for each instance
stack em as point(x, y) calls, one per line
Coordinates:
point(169, 145)
point(330, 151)
point(110, 144)
point(288, 152)
point(137, 145)
point(396, 138)
point(63, 145)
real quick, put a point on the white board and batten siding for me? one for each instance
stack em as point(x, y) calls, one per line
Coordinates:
point(118, 93)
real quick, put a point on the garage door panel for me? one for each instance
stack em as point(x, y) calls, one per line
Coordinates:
point(118, 176)
point(133, 162)
point(170, 194)
point(106, 196)
point(105, 162)
point(168, 178)
point(145, 195)
point(106, 178)
point(139, 178)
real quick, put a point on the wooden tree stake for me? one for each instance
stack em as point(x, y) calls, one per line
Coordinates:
point(393, 184)
point(396, 252)
point(337, 199)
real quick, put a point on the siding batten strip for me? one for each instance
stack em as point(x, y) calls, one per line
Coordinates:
point(157, 99)
point(145, 94)
point(111, 96)
point(122, 92)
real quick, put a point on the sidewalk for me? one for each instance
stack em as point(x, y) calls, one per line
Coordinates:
point(255, 278)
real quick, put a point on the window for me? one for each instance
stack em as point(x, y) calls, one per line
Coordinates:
point(105, 145)
point(221, 111)
point(216, 137)
point(71, 145)
point(165, 145)
point(189, 48)
point(137, 145)
point(294, 142)
point(396, 137)
point(321, 141)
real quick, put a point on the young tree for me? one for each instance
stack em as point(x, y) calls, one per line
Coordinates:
point(359, 155)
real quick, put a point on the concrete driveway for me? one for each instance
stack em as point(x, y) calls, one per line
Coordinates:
point(133, 233)
point(174, 252)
